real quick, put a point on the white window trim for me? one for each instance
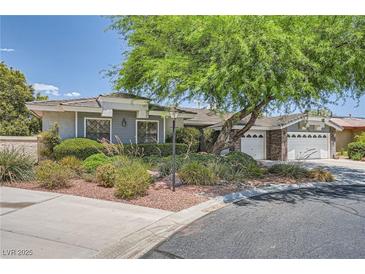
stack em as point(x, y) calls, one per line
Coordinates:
point(164, 129)
point(96, 118)
point(153, 121)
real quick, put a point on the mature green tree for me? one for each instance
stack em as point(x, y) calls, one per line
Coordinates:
point(15, 118)
point(248, 64)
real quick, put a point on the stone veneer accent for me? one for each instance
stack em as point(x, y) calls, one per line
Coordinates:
point(332, 143)
point(277, 144)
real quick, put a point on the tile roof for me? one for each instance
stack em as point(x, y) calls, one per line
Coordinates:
point(349, 122)
point(205, 117)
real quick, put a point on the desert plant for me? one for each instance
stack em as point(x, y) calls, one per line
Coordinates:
point(194, 173)
point(319, 174)
point(122, 160)
point(15, 165)
point(105, 175)
point(52, 175)
point(78, 147)
point(72, 163)
point(92, 162)
point(294, 171)
point(50, 139)
point(132, 180)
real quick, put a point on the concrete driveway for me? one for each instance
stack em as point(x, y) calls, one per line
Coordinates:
point(327, 222)
point(51, 225)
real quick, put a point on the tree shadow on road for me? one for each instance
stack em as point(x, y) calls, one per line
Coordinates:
point(323, 194)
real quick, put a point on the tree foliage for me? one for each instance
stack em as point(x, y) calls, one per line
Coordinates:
point(16, 119)
point(244, 63)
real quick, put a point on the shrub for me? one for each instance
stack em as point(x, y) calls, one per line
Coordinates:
point(50, 139)
point(289, 170)
point(320, 175)
point(186, 135)
point(15, 165)
point(52, 175)
point(132, 180)
point(78, 147)
point(165, 166)
point(360, 137)
point(92, 162)
point(194, 173)
point(73, 163)
point(106, 174)
point(356, 150)
point(238, 158)
point(158, 149)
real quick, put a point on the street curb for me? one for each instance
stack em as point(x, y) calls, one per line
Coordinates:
point(138, 243)
point(257, 191)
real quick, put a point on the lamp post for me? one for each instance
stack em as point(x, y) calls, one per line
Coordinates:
point(173, 114)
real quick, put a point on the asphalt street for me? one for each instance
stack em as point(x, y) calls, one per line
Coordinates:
point(306, 223)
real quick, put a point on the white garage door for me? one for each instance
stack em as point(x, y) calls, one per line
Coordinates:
point(308, 145)
point(253, 143)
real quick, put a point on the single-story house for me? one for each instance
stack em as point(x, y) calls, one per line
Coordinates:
point(286, 137)
point(352, 126)
point(117, 116)
point(134, 119)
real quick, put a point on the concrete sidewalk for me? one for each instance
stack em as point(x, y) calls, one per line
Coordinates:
point(53, 225)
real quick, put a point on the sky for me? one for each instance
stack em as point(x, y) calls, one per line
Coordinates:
point(67, 56)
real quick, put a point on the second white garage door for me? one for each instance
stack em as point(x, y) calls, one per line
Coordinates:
point(253, 144)
point(308, 145)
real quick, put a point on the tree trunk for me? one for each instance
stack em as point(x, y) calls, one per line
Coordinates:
point(227, 137)
point(202, 142)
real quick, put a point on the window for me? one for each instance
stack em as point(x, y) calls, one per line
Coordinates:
point(147, 132)
point(97, 129)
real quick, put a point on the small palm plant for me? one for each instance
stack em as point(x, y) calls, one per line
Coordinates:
point(15, 165)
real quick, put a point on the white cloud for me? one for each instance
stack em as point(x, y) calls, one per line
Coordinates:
point(7, 50)
point(46, 89)
point(73, 94)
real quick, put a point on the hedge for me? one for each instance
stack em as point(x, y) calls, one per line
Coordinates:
point(155, 149)
point(78, 147)
point(356, 150)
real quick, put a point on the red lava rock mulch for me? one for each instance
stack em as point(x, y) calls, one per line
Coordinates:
point(159, 195)
point(183, 197)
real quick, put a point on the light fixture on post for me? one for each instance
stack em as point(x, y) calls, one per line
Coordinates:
point(173, 114)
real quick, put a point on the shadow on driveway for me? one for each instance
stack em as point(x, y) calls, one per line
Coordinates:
point(327, 195)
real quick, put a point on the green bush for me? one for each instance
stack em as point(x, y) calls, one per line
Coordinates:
point(165, 166)
point(186, 135)
point(356, 150)
point(194, 173)
point(156, 149)
point(50, 139)
point(78, 147)
point(92, 162)
point(73, 163)
point(360, 137)
point(15, 165)
point(132, 180)
point(106, 174)
point(52, 175)
point(294, 171)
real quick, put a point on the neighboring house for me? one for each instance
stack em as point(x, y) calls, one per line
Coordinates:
point(351, 127)
point(132, 119)
point(286, 137)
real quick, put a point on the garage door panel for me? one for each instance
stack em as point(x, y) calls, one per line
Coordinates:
point(253, 144)
point(308, 145)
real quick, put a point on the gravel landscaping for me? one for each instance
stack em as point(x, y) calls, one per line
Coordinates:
point(159, 194)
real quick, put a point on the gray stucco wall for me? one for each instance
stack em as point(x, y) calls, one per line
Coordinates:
point(65, 121)
point(295, 128)
point(126, 134)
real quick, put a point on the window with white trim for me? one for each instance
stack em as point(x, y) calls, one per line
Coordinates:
point(97, 129)
point(147, 132)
